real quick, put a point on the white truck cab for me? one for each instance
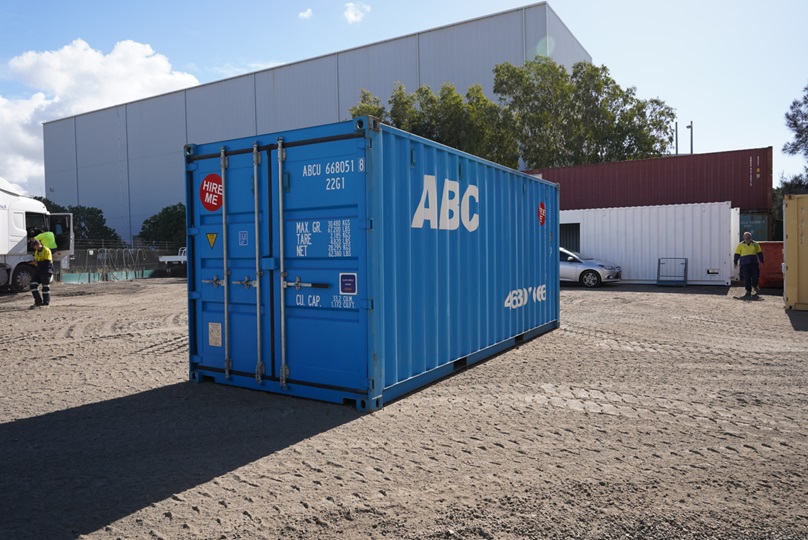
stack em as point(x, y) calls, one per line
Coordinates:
point(18, 216)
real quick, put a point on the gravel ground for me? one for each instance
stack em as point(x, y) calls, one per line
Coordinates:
point(652, 413)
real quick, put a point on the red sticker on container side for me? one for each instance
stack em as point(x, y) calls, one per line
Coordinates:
point(542, 214)
point(210, 192)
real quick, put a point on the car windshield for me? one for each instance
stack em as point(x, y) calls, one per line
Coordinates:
point(578, 255)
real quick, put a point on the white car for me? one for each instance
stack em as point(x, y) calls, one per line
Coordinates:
point(585, 270)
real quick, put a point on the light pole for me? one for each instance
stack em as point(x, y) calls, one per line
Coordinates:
point(676, 132)
point(690, 127)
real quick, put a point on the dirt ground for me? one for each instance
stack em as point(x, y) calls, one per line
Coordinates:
point(652, 412)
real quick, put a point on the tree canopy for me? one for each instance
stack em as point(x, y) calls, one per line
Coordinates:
point(546, 116)
point(89, 222)
point(582, 116)
point(477, 125)
point(797, 121)
point(168, 225)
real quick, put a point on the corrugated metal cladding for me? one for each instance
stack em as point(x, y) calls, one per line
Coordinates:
point(743, 177)
point(636, 238)
point(297, 95)
point(102, 162)
point(559, 43)
point(366, 264)
point(288, 88)
point(795, 251)
point(225, 108)
point(60, 162)
point(152, 169)
point(377, 69)
point(452, 54)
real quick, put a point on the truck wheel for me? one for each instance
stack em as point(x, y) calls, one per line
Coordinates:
point(22, 277)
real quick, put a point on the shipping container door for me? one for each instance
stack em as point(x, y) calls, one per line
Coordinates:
point(323, 336)
point(231, 271)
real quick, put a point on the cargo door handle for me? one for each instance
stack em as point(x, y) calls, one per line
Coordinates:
point(247, 282)
point(297, 284)
point(215, 281)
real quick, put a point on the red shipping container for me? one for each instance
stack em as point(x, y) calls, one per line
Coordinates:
point(742, 177)
point(771, 271)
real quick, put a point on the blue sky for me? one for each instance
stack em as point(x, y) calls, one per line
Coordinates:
point(732, 67)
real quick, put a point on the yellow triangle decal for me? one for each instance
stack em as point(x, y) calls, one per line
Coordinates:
point(211, 238)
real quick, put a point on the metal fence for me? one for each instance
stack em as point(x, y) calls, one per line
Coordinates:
point(109, 263)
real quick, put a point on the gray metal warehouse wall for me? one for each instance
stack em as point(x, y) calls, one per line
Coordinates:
point(127, 160)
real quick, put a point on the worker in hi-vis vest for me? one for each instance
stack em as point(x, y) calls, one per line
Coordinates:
point(747, 256)
point(47, 238)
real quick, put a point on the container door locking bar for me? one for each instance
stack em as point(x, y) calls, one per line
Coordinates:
point(259, 353)
point(215, 281)
point(228, 362)
point(247, 282)
point(297, 284)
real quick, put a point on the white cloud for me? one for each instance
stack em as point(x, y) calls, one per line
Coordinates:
point(355, 12)
point(73, 80)
point(231, 70)
point(305, 15)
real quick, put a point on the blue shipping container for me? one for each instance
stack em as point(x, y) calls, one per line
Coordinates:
point(354, 262)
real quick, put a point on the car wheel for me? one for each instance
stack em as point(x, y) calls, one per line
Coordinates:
point(590, 278)
point(22, 277)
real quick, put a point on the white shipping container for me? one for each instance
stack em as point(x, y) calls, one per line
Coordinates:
point(636, 238)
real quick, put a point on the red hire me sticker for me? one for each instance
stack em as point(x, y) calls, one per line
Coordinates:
point(210, 192)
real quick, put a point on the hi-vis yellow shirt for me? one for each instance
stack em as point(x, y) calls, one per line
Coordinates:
point(748, 253)
point(43, 255)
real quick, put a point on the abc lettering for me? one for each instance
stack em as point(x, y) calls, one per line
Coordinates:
point(452, 209)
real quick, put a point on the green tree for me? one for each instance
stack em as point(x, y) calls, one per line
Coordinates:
point(583, 116)
point(369, 105)
point(89, 223)
point(491, 134)
point(168, 225)
point(795, 184)
point(797, 121)
point(53, 208)
point(478, 126)
point(539, 96)
point(402, 108)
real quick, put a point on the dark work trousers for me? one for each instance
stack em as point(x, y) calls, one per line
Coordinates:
point(750, 274)
point(42, 276)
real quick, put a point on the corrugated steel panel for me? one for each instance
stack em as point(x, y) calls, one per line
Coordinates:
point(456, 54)
point(310, 93)
point(561, 45)
point(154, 125)
point(795, 251)
point(143, 196)
point(743, 177)
point(757, 224)
point(771, 271)
point(102, 162)
point(298, 95)
point(221, 111)
point(637, 237)
point(377, 68)
point(366, 264)
point(60, 162)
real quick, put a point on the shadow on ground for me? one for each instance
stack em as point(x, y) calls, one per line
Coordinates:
point(73, 472)
point(799, 320)
point(717, 290)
